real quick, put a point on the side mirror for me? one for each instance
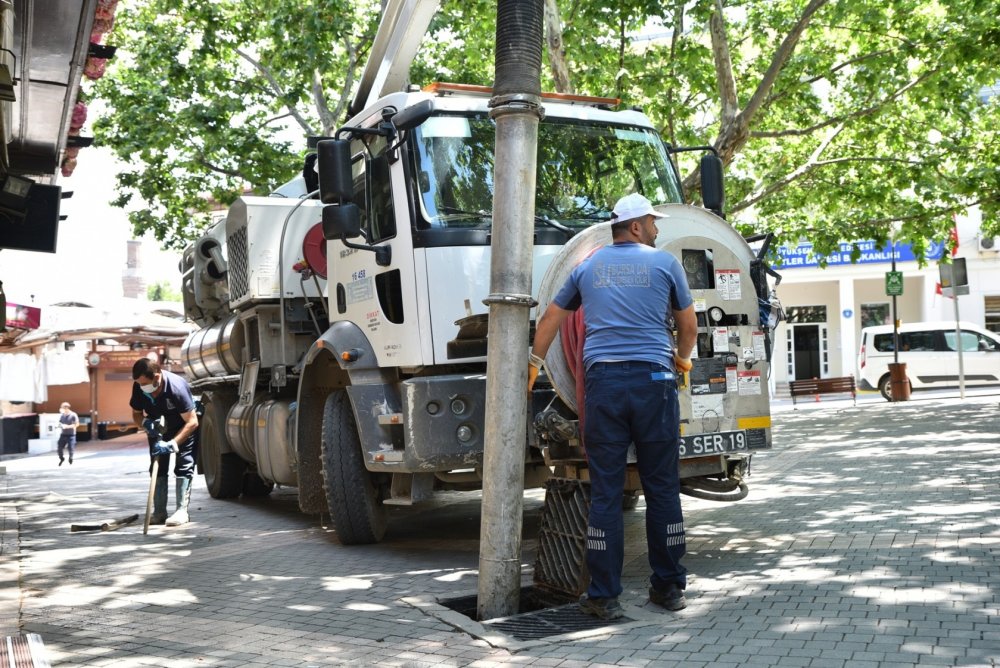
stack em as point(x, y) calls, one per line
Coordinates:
point(335, 182)
point(341, 221)
point(411, 117)
point(712, 192)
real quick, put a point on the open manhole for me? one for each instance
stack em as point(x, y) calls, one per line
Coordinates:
point(540, 615)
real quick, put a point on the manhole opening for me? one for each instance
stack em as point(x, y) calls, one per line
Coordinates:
point(541, 614)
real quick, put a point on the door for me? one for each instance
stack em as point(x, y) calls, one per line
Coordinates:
point(807, 353)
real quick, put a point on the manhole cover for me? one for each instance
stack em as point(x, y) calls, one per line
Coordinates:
point(550, 622)
point(543, 617)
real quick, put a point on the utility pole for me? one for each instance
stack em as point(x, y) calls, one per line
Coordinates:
point(516, 108)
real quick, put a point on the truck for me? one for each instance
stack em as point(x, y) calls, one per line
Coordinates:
point(343, 331)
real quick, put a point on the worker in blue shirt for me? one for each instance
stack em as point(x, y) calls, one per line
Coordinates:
point(629, 291)
point(156, 394)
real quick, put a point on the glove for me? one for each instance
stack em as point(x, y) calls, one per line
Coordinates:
point(151, 426)
point(682, 364)
point(534, 366)
point(164, 448)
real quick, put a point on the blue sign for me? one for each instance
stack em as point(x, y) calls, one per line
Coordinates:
point(802, 255)
point(848, 313)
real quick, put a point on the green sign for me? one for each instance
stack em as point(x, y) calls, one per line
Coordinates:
point(893, 283)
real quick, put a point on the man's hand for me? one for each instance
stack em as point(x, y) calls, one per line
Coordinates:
point(164, 448)
point(682, 364)
point(151, 426)
point(534, 366)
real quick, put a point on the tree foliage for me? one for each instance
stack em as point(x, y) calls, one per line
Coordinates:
point(203, 93)
point(837, 120)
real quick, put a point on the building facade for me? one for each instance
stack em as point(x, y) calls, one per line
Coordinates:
point(826, 308)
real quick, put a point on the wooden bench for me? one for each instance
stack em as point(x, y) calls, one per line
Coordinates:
point(813, 387)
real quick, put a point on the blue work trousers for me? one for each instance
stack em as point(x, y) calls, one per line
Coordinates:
point(633, 402)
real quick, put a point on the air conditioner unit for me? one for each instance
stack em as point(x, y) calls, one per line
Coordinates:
point(989, 244)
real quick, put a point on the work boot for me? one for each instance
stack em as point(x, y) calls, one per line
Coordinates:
point(180, 515)
point(671, 598)
point(602, 608)
point(159, 515)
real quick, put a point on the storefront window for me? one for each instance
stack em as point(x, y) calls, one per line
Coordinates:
point(799, 314)
point(992, 308)
point(874, 314)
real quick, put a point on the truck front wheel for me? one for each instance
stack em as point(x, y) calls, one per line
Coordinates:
point(223, 470)
point(353, 494)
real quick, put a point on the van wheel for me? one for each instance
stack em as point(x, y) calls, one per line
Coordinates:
point(885, 386)
point(354, 494)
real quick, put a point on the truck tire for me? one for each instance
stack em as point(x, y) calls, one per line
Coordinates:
point(223, 470)
point(352, 492)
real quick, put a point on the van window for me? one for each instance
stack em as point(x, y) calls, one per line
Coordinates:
point(912, 341)
point(971, 342)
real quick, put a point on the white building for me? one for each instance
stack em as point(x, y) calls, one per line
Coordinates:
point(827, 307)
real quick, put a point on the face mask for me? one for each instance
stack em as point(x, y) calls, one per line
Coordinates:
point(148, 389)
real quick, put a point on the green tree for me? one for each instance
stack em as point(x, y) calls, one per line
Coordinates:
point(836, 119)
point(162, 291)
point(203, 92)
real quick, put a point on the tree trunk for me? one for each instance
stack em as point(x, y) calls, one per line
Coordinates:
point(557, 52)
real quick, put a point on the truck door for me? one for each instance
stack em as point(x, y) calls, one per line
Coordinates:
point(381, 300)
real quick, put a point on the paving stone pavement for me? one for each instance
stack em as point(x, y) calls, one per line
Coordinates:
point(871, 537)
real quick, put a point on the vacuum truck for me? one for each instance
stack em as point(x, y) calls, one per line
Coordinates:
point(343, 334)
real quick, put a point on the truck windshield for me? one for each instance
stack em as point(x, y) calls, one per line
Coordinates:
point(583, 168)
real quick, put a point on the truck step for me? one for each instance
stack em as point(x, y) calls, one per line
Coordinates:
point(391, 418)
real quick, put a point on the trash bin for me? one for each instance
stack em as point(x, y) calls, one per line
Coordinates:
point(15, 431)
point(102, 431)
point(899, 384)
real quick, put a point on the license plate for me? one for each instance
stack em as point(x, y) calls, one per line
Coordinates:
point(713, 444)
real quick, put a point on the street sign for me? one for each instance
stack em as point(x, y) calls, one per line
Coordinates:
point(953, 274)
point(893, 283)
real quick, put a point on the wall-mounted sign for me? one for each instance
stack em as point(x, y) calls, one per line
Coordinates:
point(18, 316)
point(848, 313)
point(802, 255)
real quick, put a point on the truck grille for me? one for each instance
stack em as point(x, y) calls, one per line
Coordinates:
point(239, 270)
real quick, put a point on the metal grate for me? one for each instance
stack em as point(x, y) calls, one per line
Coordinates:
point(561, 563)
point(550, 622)
point(239, 270)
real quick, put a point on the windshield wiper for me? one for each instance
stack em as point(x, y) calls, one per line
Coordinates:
point(545, 220)
point(453, 211)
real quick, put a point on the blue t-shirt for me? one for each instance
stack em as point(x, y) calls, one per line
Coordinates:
point(173, 401)
point(628, 291)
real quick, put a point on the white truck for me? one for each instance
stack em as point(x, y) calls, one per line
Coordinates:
point(355, 371)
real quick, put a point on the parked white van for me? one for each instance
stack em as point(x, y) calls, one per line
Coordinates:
point(931, 355)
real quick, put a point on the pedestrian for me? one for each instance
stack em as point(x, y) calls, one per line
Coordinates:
point(629, 292)
point(68, 422)
point(156, 394)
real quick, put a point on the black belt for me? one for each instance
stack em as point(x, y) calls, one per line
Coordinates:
point(633, 364)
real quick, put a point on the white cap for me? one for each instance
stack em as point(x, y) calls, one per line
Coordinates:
point(634, 206)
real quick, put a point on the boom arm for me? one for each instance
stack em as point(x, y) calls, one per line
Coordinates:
point(403, 25)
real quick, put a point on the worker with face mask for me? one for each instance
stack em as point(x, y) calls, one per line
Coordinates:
point(163, 407)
